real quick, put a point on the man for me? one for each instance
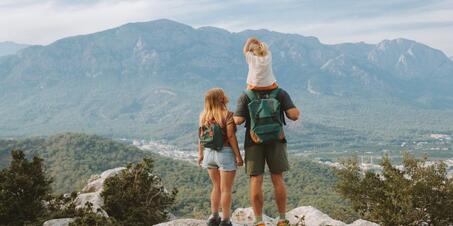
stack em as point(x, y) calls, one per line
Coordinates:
point(273, 154)
point(261, 84)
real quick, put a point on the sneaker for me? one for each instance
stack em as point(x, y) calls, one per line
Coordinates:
point(226, 223)
point(283, 223)
point(214, 221)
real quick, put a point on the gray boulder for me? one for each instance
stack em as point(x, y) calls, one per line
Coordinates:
point(58, 222)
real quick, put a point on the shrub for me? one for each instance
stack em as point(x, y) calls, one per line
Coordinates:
point(417, 193)
point(136, 196)
point(23, 189)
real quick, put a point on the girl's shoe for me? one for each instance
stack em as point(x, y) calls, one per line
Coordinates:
point(213, 221)
point(226, 223)
point(283, 223)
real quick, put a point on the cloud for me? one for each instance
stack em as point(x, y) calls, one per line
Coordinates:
point(333, 21)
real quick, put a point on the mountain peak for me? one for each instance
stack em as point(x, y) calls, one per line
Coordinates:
point(9, 47)
point(213, 29)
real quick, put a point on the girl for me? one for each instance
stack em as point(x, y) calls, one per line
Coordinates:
point(221, 164)
point(259, 58)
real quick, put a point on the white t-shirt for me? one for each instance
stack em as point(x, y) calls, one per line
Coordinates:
point(260, 70)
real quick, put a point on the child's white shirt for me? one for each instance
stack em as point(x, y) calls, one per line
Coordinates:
point(260, 70)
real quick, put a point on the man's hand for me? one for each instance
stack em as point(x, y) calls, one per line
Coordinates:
point(293, 114)
point(239, 161)
point(200, 160)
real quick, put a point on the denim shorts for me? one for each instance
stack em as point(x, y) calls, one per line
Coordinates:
point(223, 160)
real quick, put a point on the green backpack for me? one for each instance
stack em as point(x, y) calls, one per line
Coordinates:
point(211, 136)
point(266, 120)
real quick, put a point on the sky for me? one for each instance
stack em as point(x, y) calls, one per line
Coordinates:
point(332, 21)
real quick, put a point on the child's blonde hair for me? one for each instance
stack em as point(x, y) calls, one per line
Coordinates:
point(259, 49)
point(215, 107)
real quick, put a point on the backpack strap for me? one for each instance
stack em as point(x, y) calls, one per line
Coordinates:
point(251, 95)
point(274, 93)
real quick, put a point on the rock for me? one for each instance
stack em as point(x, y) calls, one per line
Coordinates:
point(96, 182)
point(92, 191)
point(245, 216)
point(361, 222)
point(186, 222)
point(94, 198)
point(58, 222)
point(313, 217)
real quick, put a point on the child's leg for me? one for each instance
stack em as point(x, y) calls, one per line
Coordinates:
point(214, 174)
point(227, 179)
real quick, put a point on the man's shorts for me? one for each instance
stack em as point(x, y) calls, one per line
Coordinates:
point(274, 154)
point(224, 160)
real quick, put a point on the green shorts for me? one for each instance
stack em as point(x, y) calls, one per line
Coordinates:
point(274, 154)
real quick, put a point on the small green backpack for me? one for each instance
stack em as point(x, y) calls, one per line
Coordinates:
point(211, 136)
point(266, 120)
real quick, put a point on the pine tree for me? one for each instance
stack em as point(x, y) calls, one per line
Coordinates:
point(137, 196)
point(23, 189)
point(417, 193)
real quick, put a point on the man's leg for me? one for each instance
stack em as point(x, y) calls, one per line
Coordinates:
point(256, 195)
point(277, 160)
point(254, 164)
point(280, 192)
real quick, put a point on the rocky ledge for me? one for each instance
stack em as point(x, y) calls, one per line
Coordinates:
point(240, 217)
point(244, 217)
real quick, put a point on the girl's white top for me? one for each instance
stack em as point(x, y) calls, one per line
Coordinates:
point(260, 70)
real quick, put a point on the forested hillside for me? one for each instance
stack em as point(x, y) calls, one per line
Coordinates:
point(146, 80)
point(71, 159)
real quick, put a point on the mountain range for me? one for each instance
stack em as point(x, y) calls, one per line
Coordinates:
point(147, 79)
point(9, 48)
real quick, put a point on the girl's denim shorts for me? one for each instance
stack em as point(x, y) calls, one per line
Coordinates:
point(223, 160)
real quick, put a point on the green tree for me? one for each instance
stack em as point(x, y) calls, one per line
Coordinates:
point(418, 192)
point(23, 188)
point(137, 196)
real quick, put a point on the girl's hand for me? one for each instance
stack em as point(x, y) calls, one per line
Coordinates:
point(200, 160)
point(239, 161)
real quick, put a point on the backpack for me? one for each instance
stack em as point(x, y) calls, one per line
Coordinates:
point(211, 136)
point(266, 120)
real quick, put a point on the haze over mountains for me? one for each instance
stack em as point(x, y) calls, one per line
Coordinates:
point(147, 80)
point(8, 48)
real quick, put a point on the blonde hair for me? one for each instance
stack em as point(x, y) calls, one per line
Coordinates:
point(215, 107)
point(259, 49)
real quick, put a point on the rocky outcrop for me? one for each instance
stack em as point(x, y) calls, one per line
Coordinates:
point(240, 217)
point(58, 222)
point(92, 191)
point(245, 217)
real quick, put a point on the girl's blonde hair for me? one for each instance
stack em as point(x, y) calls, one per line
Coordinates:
point(259, 49)
point(215, 107)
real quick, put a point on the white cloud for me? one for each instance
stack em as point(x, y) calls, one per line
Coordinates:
point(45, 21)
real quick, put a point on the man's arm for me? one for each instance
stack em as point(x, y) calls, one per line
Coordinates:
point(292, 113)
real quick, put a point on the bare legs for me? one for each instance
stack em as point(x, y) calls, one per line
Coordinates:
point(256, 193)
point(215, 192)
point(226, 178)
point(280, 191)
point(222, 184)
